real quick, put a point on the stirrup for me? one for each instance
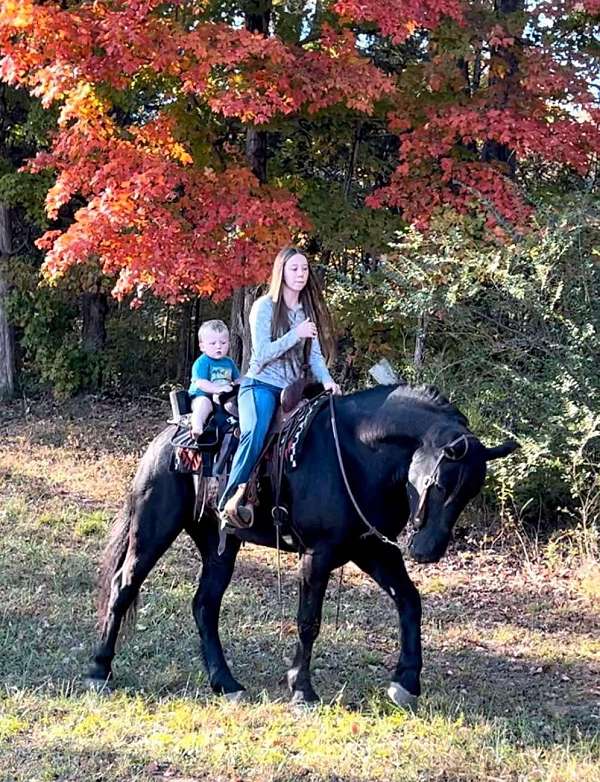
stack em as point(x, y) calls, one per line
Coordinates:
point(235, 512)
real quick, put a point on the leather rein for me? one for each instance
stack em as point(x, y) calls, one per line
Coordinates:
point(430, 480)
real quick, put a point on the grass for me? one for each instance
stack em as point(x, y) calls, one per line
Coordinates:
point(511, 653)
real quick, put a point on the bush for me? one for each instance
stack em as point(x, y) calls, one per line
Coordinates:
point(510, 333)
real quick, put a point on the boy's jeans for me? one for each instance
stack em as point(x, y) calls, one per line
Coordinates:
point(257, 402)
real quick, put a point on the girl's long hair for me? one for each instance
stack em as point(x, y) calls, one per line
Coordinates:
point(311, 298)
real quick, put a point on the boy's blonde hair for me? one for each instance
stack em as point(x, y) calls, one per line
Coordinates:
point(212, 325)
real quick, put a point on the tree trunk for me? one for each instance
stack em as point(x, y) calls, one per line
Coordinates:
point(352, 163)
point(504, 62)
point(94, 309)
point(185, 342)
point(257, 14)
point(236, 327)
point(241, 346)
point(256, 153)
point(420, 343)
point(7, 356)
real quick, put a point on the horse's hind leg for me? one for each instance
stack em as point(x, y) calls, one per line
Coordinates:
point(145, 530)
point(214, 580)
point(385, 566)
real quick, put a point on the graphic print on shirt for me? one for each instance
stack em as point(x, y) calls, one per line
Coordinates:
point(221, 374)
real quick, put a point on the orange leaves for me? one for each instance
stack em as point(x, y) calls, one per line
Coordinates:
point(156, 222)
point(16, 13)
point(83, 107)
point(280, 79)
point(157, 137)
point(157, 219)
point(240, 73)
point(153, 219)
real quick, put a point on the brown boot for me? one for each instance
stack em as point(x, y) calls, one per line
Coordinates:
point(236, 512)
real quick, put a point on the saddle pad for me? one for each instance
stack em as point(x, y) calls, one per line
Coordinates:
point(208, 440)
point(292, 436)
point(187, 453)
point(187, 461)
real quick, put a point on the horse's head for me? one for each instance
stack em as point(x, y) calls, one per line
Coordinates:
point(441, 480)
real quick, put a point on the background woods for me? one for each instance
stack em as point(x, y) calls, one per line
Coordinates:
point(437, 159)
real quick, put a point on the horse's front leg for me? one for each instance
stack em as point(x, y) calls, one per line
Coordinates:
point(216, 575)
point(315, 569)
point(385, 565)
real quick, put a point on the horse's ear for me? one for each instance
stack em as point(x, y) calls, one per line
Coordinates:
point(500, 451)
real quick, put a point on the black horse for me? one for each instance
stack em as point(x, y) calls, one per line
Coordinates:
point(404, 454)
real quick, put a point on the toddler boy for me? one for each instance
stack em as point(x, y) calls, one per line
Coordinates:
point(214, 372)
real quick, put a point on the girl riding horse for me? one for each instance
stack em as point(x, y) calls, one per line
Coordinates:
point(292, 312)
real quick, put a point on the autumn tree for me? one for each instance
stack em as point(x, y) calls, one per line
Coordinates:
point(23, 126)
point(171, 114)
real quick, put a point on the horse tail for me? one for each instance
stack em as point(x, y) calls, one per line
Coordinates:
point(113, 567)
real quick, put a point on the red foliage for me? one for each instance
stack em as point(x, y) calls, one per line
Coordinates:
point(155, 218)
point(400, 18)
point(544, 109)
point(252, 77)
point(464, 186)
point(152, 219)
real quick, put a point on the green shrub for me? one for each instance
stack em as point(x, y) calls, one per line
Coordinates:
point(511, 335)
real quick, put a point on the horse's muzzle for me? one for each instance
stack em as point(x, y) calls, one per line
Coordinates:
point(425, 547)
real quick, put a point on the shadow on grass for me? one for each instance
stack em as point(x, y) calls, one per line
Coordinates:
point(48, 627)
point(86, 424)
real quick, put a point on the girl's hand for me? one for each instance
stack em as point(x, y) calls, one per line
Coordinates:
point(306, 329)
point(333, 387)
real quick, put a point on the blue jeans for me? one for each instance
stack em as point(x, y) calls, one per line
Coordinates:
point(257, 402)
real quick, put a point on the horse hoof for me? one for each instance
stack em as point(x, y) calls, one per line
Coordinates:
point(300, 701)
point(235, 697)
point(101, 686)
point(401, 697)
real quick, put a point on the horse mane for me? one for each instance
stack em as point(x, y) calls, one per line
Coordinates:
point(430, 395)
point(387, 420)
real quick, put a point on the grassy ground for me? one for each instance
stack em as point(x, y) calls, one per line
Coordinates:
point(512, 652)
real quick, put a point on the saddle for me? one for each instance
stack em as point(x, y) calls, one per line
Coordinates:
point(210, 457)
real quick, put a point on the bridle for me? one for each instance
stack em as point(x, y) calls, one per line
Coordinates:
point(433, 478)
point(430, 480)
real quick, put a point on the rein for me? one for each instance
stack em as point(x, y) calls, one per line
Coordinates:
point(430, 480)
point(372, 530)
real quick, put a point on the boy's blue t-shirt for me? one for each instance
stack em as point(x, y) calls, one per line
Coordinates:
point(217, 370)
